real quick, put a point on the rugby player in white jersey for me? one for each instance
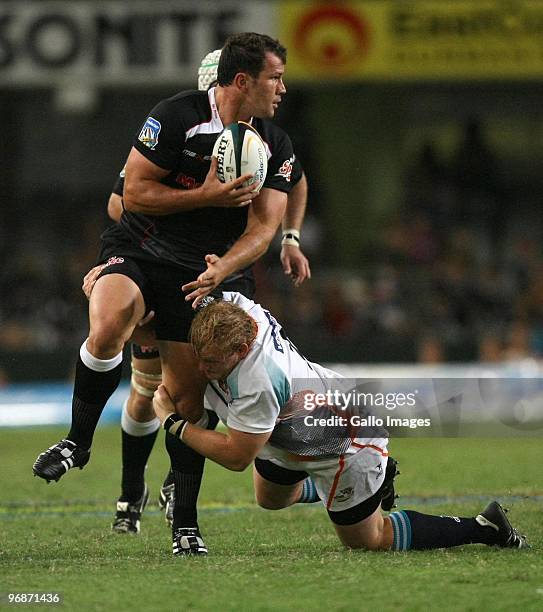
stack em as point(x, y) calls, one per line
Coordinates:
point(256, 382)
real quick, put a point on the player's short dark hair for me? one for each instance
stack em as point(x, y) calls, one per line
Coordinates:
point(246, 52)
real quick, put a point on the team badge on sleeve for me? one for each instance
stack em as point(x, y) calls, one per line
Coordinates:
point(286, 169)
point(149, 133)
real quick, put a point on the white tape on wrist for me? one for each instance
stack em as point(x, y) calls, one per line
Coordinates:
point(291, 237)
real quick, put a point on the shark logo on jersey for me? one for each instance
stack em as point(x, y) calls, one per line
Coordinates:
point(149, 133)
point(114, 260)
point(286, 169)
point(344, 494)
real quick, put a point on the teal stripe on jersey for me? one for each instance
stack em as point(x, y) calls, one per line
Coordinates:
point(232, 382)
point(279, 381)
point(401, 527)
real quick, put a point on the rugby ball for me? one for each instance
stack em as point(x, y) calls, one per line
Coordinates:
point(239, 150)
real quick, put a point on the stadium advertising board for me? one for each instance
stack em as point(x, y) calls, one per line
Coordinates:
point(413, 40)
point(116, 42)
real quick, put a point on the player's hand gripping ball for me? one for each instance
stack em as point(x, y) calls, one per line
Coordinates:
point(239, 150)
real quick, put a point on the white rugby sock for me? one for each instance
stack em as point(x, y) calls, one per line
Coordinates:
point(135, 428)
point(98, 365)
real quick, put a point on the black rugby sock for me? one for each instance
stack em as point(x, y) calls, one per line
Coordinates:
point(136, 451)
point(416, 531)
point(138, 439)
point(188, 469)
point(92, 389)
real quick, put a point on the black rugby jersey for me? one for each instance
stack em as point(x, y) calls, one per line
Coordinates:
point(297, 172)
point(178, 136)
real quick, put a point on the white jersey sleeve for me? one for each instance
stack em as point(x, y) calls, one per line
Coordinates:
point(253, 413)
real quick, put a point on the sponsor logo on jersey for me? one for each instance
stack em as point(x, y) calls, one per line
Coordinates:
point(114, 260)
point(149, 133)
point(286, 169)
point(344, 494)
point(188, 182)
point(200, 158)
point(223, 143)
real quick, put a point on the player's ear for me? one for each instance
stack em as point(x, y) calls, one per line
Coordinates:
point(240, 80)
point(243, 350)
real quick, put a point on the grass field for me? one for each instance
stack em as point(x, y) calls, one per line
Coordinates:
point(57, 537)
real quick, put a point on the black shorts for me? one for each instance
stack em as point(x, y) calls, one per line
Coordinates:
point(282, 476)
point(160, 284)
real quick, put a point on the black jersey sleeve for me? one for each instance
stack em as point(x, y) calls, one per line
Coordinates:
point(297, 171)
point(162, 135)
point(282, 158)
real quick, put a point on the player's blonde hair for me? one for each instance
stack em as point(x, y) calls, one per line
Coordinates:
point(223, 325)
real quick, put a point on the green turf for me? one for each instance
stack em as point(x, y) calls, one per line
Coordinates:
point(56, 537)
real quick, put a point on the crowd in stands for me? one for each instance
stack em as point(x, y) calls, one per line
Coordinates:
point(455, 275)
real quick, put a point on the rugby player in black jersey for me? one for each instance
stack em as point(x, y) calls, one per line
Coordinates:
point(179, 222)
point(139, 425)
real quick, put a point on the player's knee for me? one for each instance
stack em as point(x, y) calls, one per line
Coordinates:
point(106, 335)
point(104, 342)
point(367, 534)
point(269, 502)
point(371, 544)
point(187, 407)
point(140, 407)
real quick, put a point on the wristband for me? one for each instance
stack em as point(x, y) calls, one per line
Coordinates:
point(291, 237)
point(175, 425)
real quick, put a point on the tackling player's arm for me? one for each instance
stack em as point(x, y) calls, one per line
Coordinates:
point(234, 450)
point(145, 193)
point(264, 217)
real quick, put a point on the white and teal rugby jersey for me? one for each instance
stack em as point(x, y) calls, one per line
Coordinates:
point(261, 388)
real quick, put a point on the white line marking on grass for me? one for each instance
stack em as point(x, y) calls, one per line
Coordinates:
point(18, 510)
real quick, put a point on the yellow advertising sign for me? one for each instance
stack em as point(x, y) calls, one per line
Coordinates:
point(417, 39)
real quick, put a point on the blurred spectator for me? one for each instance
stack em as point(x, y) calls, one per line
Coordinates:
point(490, 349)
point(481, 193)
point(4, 378)
point(431, 350)
point(517, 342)
point(337, 316)
point(429, 189)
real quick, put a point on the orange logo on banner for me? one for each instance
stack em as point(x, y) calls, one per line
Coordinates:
point(331, 37)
